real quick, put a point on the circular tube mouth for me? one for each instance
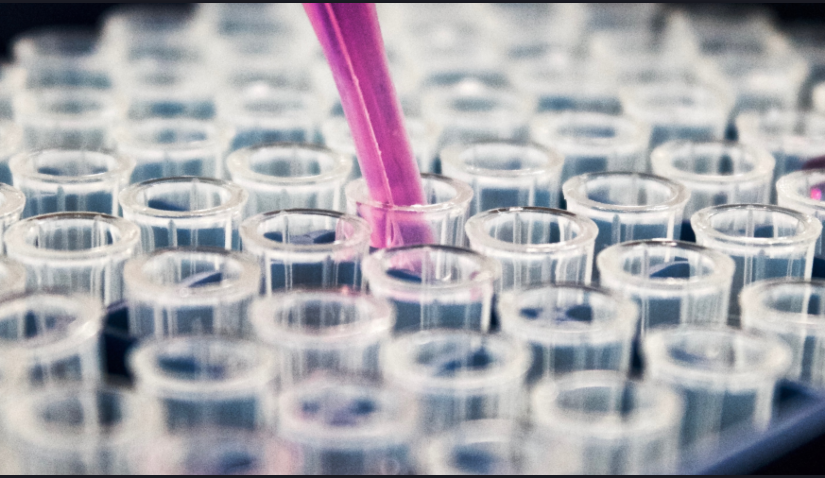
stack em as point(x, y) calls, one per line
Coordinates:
point(192, 275)
point(804, 187)
point(321, 318)
point(579, 128)
point(477, 362)
point(71, 236)
point(784, 305)
point(52, 325)
point(567, 313)
point(716, 357)
point(496, 229)
point(274, 230)
point(159, 135)
point(661, 264)
point(584, 404)
point(345, 415)
point(762, 225)
point(502, 159)
point(712, 162)
point(615, 192)
point(441, 193)
point(60, 166)
point(192, 367)
point(288, 164)
point(183, 197)
point(435, 268)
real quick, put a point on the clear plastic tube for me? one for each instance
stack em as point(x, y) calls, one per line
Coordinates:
point(12, 202)
point(74, 252)
point(456, 376)
point(448, 203)
point(207, 382)
point(11, 141)
point(678, 112)
point(331, 426)
point(212, 452)
point(66, 119)
point(593, 142)
point(477, 447)
point(260, 115)
point(307, 248)
point(470, 112)
point(802, 191)
point(290, 175)
point(153, 91)
point(570, 328)
point(186, 291)
point(46, 339)
point(765, 242)
point(336, 331)
point(673, 283)
point(12, 277)
point(758, 81)
point(715, 173)
point(792, 310)
point(434, 286)
point(164, 148)
point(61, 57)
point(795, 138)
point(11, 81)
point(128, 26)
point(535, 245)
point(75, 430)
point(627, 206)
point(603, 423)
point(569, 85)
point(505, 174)
point(185, 211)
point(58, 180)
point(725, 376)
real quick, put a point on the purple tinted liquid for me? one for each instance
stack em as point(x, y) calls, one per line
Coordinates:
point(351, 39)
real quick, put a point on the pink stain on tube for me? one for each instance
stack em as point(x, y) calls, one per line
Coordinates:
point(351, 39)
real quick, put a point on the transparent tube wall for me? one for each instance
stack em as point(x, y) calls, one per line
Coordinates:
point(185, 211)
point(535, 245)
point(290, 175)
point(48, 339)
point(505, 174)
point(628, 206)
point(207, 382)
point(70, 180)
point(456, 376)
point(188, 291)
point(434, 286)
point(354, 328)
point(307, 248)
point(444, 214)
point(74, 252)
point(765, 242)
point(570, 328)
point(673, 283)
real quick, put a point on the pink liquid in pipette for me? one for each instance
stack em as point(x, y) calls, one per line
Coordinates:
point(351, 39)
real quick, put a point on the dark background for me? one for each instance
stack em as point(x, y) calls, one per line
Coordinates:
point(16, 18)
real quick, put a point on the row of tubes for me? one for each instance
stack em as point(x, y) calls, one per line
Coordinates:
point(179, 185)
